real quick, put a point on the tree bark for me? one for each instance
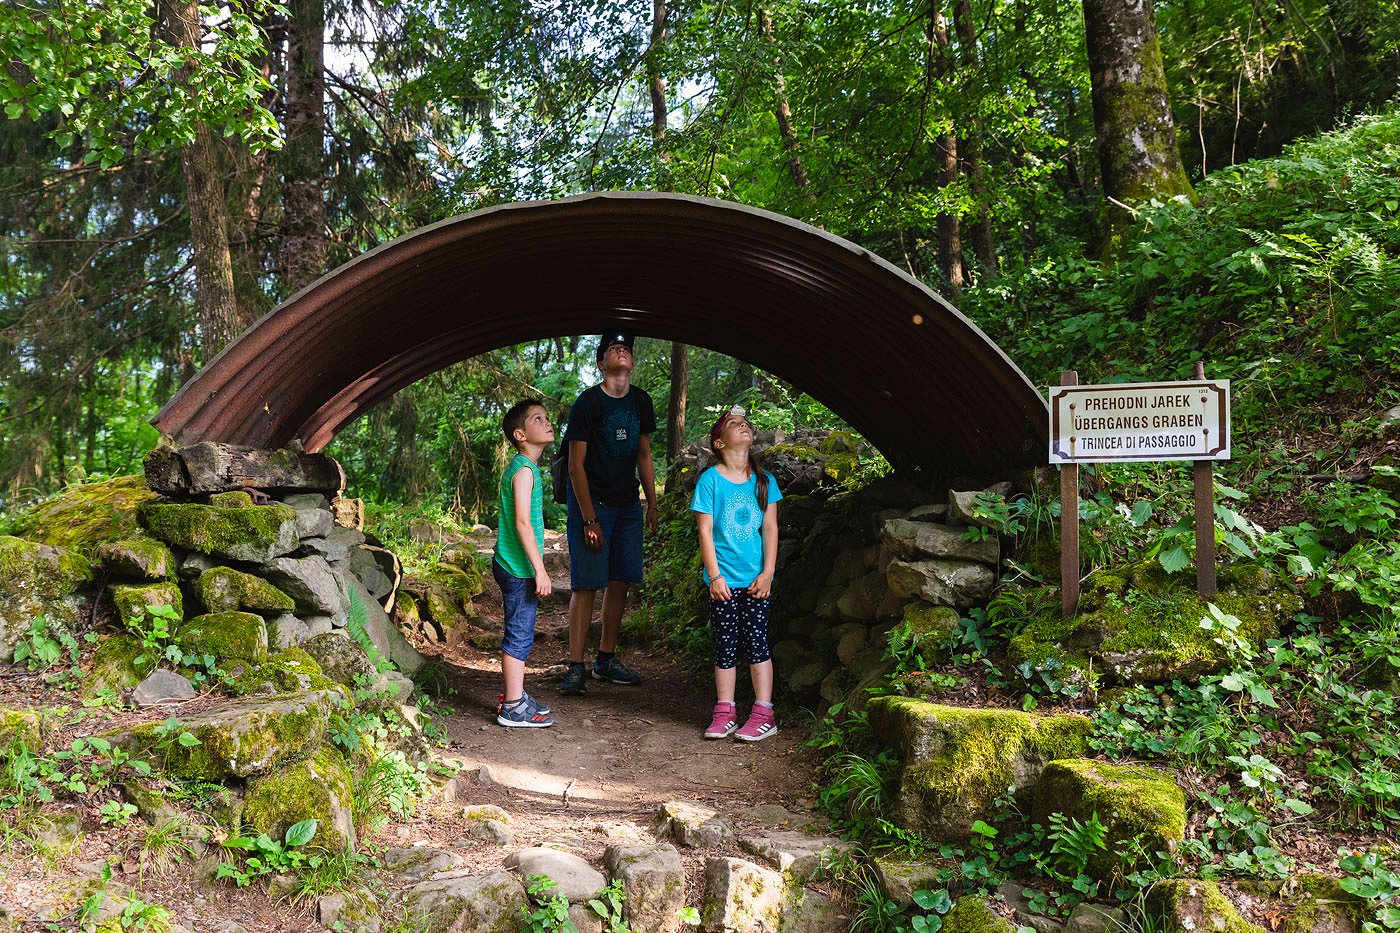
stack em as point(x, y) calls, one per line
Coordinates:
point(1138, 154)
point(219, 316)
point(950, 251)
point(783, 112)
point(970, 148)
point(303, 253)
point(680, 353)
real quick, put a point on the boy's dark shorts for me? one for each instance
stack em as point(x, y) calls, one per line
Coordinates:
point(621, 556)
point(520, 605)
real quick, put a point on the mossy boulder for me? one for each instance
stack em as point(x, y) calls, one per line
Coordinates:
point(137, 558)
point(340, 659)
point(19, 726)
point(241, 739)
point(1319, 905)
point(319, 788)
point(1132, 803)
point(931, 630)
point(81, 518)
point(132, 601)
point(256, 534)
point(222, 589)
point(226, 636)
point(1137, 624)
point(121, 662)
point(37, 580)
point(474, 904)
point(287, 671)
point(235, 499)
point(1187, 905)
point(957, 762)
point(971, 914)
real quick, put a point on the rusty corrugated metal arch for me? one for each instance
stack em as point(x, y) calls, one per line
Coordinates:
point(873, 344)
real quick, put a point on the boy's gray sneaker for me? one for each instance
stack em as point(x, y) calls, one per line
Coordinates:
point(615, 671)
point(535, 704)
point(522, 715)
point(575, 681)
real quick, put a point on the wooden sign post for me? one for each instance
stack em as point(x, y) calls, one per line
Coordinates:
point(1187, 420)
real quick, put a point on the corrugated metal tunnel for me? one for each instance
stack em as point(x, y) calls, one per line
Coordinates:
point(896, 361)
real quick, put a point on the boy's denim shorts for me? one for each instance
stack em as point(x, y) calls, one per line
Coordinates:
point(521, 605)
point(621, 556)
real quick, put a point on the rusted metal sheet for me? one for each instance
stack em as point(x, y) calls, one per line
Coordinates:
point(892, 358)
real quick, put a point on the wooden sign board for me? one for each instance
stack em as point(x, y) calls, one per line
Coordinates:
point(1140, 421)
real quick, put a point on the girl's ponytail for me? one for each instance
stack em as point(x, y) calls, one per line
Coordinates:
point(760, 480)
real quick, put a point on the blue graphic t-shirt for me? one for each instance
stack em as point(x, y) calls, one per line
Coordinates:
point(612, 428)
point(738, 524)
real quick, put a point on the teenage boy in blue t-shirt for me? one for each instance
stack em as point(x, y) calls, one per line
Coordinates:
point(609, 438)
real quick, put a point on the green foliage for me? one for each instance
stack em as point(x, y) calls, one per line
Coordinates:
point(40, 648)
point(390, 783)
point(551, 911)
point(608, 907)
point(1368, 876)
point(244, 859)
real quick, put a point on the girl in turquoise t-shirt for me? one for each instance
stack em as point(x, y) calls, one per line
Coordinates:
point(736, 512)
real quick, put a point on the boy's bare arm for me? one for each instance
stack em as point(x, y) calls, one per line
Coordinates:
point(648, 474)
point(578, 478)
point(522, 484)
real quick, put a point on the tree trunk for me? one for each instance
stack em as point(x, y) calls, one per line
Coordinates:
point(784, 114)
point(675, 409)
point(303, 254)
point(950, 252)
point(1138, 154)
point(219, 316)
point(654, 77)
point(970, 147)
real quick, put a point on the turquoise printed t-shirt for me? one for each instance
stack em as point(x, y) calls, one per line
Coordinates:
point(510, 554)
point(738, 524)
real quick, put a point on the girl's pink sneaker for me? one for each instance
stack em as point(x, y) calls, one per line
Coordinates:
point(722, 722)
point(760, 725)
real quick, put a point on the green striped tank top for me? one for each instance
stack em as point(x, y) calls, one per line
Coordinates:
point(509, 552)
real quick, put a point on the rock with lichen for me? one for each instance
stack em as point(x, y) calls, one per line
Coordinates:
point(37, 581)
point(1138, 625)
point(83, 517)
point(957, 762)
point(255, 534)
point(474, 904)
point(971, 914)
point(225, 636)
point(222, 588)
point(133, 602)
point(139, 557)
point(1134, 803)
point(19, 727)
point(120, 663)
point(1189, 905)
point(318, 788)
point(288, 671)
point(240, 739)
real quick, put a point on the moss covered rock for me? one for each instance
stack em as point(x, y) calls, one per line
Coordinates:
point(226, 636)
point(1186, 905)
point(137, 558)
point(931, 630)
point(19, 726)
point(970, 914)
point(81, 518)
point(1133, 803)
point(121, 662)
point(222, 589)
point(341, 659)
point(1317, 904)
point(37, 580)
point(287, 671)
point(957, 762)
point(319, 788)
point(132, 601)
point(255, 534)
point(1138, 625)
point(240, 739)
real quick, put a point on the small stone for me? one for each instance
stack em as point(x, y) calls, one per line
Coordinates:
point(574, 879)
point(418, 862)
point(162, 686)
point(1096, 918)
point(694, 825)
point(491, 831)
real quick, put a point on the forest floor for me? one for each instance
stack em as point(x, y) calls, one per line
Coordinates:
point(597, 777)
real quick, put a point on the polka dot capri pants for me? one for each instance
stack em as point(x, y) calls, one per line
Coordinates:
point(739, 621)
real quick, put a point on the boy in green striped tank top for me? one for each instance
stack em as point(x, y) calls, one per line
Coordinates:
point(519, 563)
